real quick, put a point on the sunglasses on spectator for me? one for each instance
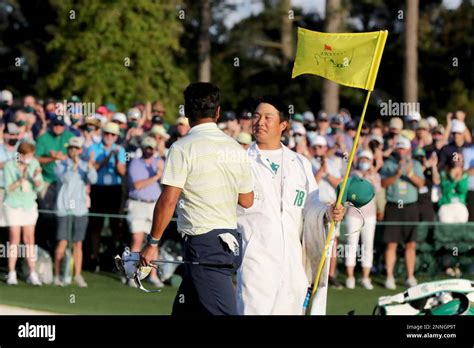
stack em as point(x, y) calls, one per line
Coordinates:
point(111, 134)
point(58, 124)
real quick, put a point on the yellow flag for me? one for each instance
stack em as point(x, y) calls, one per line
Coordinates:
point(350, 59)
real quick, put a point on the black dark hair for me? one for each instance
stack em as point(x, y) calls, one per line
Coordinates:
point(277, 104)
point(201, 100)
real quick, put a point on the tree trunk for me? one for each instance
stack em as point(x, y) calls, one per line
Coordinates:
point(204, 43)
point(410, 88)
point(334, 18)
point(286, 35)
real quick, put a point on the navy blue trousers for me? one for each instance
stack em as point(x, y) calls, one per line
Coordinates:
point(208, 290)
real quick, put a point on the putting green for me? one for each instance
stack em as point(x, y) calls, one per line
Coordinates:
point(107, 295)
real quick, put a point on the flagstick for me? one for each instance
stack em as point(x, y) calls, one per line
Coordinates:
point(339, 200)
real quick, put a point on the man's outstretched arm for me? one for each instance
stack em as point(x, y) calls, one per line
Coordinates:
point(162, 214)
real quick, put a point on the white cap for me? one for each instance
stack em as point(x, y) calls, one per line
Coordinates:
point(119, 117)
point(458, 126)
point(319, 140)
point(76, 142)
point(376, 138)
point(159, 130)
point(403, 143)
point(6, 96)
point(134, 113)
point(432, 121)
point(366, 154)
point(414, 116)
point(298, 128)
point(308, 116)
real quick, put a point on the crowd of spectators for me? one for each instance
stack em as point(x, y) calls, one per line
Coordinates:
point(85, 167)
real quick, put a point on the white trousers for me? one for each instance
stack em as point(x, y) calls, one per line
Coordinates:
point(366, 252)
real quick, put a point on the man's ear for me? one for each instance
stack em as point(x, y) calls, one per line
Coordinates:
point(218, 114)
point(284, 126)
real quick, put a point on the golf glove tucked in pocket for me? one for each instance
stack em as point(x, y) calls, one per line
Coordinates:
point(231, 242)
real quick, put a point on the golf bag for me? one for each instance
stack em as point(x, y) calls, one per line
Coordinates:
point(444, 297)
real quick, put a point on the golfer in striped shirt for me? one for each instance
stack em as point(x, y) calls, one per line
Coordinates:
point(206, 175)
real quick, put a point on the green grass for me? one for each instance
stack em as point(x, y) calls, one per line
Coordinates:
point(107, 295)
point(104, 295)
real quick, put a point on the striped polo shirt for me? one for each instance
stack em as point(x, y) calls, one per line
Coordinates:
point(212, 169)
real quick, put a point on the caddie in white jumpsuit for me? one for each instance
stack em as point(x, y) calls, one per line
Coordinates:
point(272, 278)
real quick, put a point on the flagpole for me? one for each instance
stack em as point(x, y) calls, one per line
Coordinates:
point(338, 202)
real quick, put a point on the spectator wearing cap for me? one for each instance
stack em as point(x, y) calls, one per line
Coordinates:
point(23, 181)
point(432, 180)
point(50, 148)
point(156, 120)
point(103, 111)
point(75, 117)
point(339, 142)
point(180, 129)
point(74, 175)
point(106, 195)
point(327, 170)
point(298, 118)
point(402, 177)
point(6, 103)
point(468, 154)
point(8, 150)
point(432, 122)
point(308, 117)
point(36, 117)
point(299, 136)
point(160, 135)
point(121, 119)
point(91, 132)
point(454, 187)
point(412, 121)
point(21, 120)
point(6, 97)
point(182, 126)
point(111, 110)
point(322, 122)
point(134, 133)
point(144, 174)
point(244, 139)
point(422, 135)
point(438, 141)
point(351, 129)
point(456, 146)
point(245, 121)
point(365, 169)
point(375, 144)
point(395, 127)
point(233, 126)
point(459, 117)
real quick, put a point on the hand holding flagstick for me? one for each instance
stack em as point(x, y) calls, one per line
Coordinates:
point(350, 59)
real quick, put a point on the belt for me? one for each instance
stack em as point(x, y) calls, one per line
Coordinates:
point(142, 200)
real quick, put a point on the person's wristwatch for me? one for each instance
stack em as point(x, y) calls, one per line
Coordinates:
point(152, 241)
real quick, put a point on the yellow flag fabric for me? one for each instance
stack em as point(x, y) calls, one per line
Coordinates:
point(350, 59)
